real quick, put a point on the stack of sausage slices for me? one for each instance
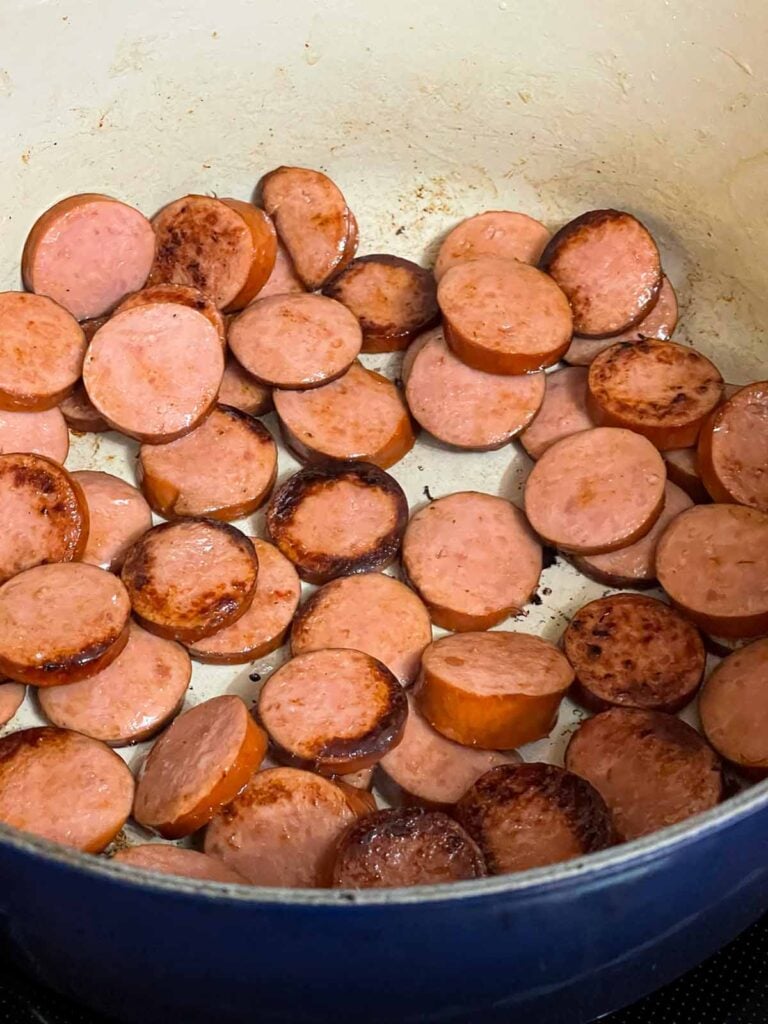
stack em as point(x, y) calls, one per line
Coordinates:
point(180, 333)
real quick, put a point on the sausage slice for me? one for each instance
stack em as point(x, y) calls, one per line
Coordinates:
point(394, 299)
point(41, 352)
point(153, 372)
point(182, 295)
point(118, 516)
point(683, 469)
point(61, 623)
point(472, 558)
point(174, 860)
point(131, 699)
point(249, 834)
point(492, 690)
point(333, 711)
point(360, 416)
point(338, 520)
point(242, 391)
point(528, 815)
point(651, 769)
point(733, 705)
point(81, 414)
point(502, 316)
point(200, 763)
point(403, 847)
point(223, 247)
point(87, 252)
point(733, 448)
point(596, 491)
point(225, 468)
point(712, 560)
point(656, 388)
point(499, 233)
point(563, 411)
point(283, 280)
point(313, 221)
point(463, 407)
point(633, 651)
point(372, 613)
point(608, 265)
point(11, 698)
point(263, 628)
point(428, 769)
point(635, 565)
point(187, 580)
point(38, 433)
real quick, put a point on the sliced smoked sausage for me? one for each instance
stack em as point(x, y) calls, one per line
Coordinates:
point(472, 558)
point(182, 295)
point(733, 448)
point(499, 233)
point(283, 280)
point(563, 411)
point(733, 705)
point(651, 769)
point(11, 698)
point(81, 414)
point(683, 469)
point(38, 433)
point(242, 391)
point(528, 815)
point(164, 859)
point(403, 847)
point(492, 690)
point(338, 520)
point(200, 763)
point(608, 265)
point(118, 515)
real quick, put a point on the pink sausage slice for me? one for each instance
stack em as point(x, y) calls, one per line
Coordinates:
point(39, 433)
point(473, 559)
point(295, 341)
point(41, 352)
point(608, 265)
point(242, 391)
point(463, 407)
point(498, 233)
point(733, 705)
point(683, 469)
point(596, 491)
point(563, 411)
point(81, 414)
point(733, 448)
point(118, 516)
point(164, 859)
point(283, 280)
point(87, 252)
point(224, 469)
point(153, 372)
point(131, 699)
point(11, 698)
point(64, 787)
point(182, 295)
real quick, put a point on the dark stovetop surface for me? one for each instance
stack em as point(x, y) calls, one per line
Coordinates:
point(730, 988)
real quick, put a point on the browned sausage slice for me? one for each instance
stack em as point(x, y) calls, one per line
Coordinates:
point(428, 769)
point(656, 388)
point(463, 407)
point(37, 433)
point(81, 414)
point(733, 448)
point(492, 690)
point(128, 701)
point(64, 787)
point(333, 711)
point(11, 698)
point(200, 763)
point(338, 520)
point(174, 860)
point(225, 468)
point(153, 372)
point(295, 341)
point(651, 769)
point(88, 251)
point(313, 221)
point(242, 391)
point(633, 651)
point(182, 295)
point(118, 516)
point(249, 834)
point(635, 565)
point(563, 411)
point(733, 705)
point(712, 560)
point(360, 416)
point(263, 628)
point(683, 469)
point(283, 280)
point(393, 298)
point(41, 352)
point(472, 558)
point(502, 316)
point(372, 613)
point(596, 491)
point(659, 323)
point(608, 265)
point(408, 846)
point(188, 579)
point(528, 815)
point(44, 513)
point(224, 247)
point(499, 233)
